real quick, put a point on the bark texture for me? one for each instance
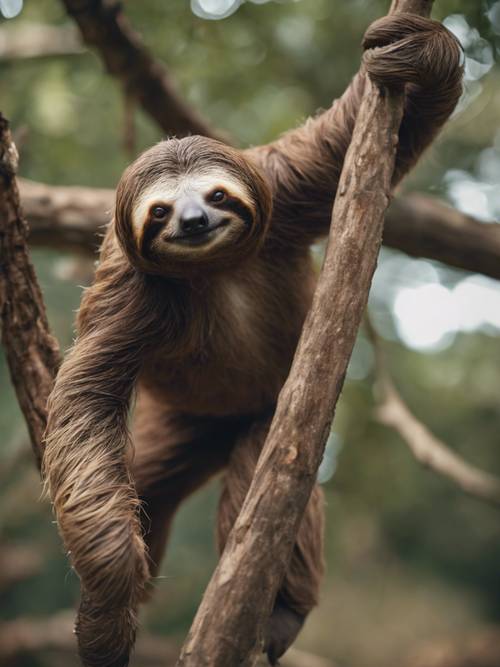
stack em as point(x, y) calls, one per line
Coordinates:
point(104, 27)
point(229, 625)
point(32, 352)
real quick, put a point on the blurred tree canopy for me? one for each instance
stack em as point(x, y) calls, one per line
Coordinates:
point(410, 559)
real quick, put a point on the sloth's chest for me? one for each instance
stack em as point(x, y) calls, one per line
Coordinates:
point(234, 353)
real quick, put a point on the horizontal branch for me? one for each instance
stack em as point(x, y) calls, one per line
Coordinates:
point(74, 218)
point(476, 648)
point(66, 217)
point(424, 445)
point(424, 226)
point(34, 41)
point(30, 636)
point(105, 28)
point(17, 563)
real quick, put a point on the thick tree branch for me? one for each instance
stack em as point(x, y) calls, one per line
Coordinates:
point(32, 352)
point(67, 218)
point(104, 27)
point(74, 218)
point(424, 445)
point(424, 226)
point(242, 590)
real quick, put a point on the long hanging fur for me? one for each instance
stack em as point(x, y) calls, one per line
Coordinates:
point(207, 346)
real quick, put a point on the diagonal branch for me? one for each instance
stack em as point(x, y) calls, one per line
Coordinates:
point(424, 445)
point(32, 352)
point(243, 587)
point(104, 27)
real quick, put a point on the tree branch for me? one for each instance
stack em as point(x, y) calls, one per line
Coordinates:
point(74, 218)
point(17, 563)
point(67, 218)
point(32, 352)
point(424, 226)
point(480, 648)
point(426, 447)
point(29, 636)
point(33, 636)
point(243, 587)
point(104, 27)
point(38, 41)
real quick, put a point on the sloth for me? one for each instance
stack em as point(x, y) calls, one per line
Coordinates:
point(204, 281)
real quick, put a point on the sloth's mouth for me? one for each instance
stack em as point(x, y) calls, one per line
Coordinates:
point(199, 236)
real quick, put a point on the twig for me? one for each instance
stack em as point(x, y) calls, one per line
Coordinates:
point(424, 445)
point(74, 218)
point(103, 26)
point(32, 352)
point(243, 587)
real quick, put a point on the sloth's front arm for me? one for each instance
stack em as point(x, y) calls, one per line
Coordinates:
point(84, 462)
point(303, 166)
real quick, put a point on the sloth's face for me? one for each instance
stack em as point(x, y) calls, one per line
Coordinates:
point(191, 204)
point(192, 215)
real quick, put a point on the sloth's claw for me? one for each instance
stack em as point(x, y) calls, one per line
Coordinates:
point(284, 626)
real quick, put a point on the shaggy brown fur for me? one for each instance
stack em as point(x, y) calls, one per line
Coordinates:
point(205, 338)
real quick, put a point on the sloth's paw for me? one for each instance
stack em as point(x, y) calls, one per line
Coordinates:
point(405, 48)
point(284, 626)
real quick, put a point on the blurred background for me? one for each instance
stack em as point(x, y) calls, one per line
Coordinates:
point(413, 563)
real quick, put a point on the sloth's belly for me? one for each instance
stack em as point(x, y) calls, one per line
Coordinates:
point(209, 386)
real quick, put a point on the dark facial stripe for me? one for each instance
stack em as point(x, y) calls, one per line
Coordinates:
point(151, 230)
point(235, 205)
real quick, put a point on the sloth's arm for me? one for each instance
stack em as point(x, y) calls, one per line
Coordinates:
point(85, 459)
point(304, 165)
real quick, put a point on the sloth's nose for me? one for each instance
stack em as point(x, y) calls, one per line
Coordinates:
point(193, 219)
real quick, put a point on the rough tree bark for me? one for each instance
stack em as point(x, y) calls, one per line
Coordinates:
point(32, 352)
point(103, 26)
point(241, 592)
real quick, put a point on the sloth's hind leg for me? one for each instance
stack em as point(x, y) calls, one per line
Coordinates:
point(173, 456)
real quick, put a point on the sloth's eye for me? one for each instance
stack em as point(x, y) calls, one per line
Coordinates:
point(159, 212)
point(218, 196)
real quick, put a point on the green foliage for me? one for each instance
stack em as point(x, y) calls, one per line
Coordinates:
point(256, 74)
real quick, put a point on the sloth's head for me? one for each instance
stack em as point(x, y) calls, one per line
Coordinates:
point(190, 204)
